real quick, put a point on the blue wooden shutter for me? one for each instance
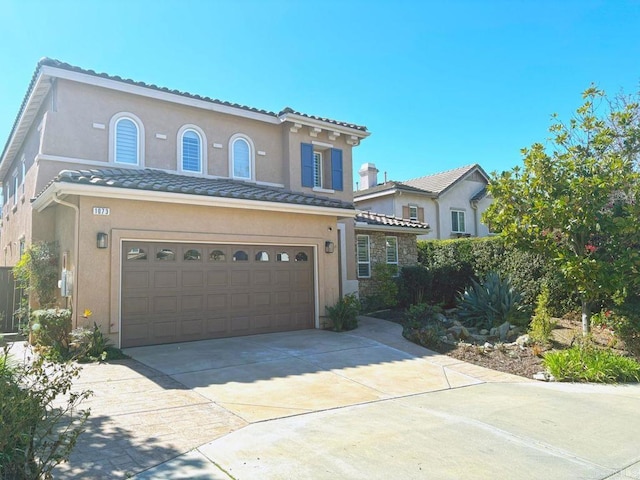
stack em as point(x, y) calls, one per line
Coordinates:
point(307, 165)
point(336, 169)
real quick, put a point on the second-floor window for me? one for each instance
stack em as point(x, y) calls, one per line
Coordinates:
point(16, 185)
point(126, 144)
point(241, 159)
point(413, 212)
point(321, 167)
point(191, 151)
point(457, 221)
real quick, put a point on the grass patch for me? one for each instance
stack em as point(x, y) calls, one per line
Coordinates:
point(591, 364)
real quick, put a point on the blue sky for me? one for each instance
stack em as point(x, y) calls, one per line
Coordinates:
point(439, 84)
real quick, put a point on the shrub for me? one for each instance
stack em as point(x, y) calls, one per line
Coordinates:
point(344, 313)
point(414, 283)
point(50, 329)
point(89, 344)
point(453, 262)
point(542, 325)
point(491, 303)
point(35, 435)
point(386, 286)
point(37, 272)
point(587, 363)
point(421, 314)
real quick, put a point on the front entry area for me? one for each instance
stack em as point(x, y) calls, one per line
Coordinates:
point(177, 292)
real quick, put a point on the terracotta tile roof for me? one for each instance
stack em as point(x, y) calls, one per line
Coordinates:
point(439, 182)
point(160, 181)
point(58, 64)
point(380, 219)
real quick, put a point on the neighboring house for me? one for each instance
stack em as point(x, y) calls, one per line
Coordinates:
point(384, 239)
point(452, 202)
point(179, 217)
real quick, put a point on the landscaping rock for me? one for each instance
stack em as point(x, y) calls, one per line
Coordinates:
point(503, 331)
point(544, 377)
point(478, 339)
point(524, 340)
point(459, 332)
point(488, 346)
point(493, 332)
point(484, 331)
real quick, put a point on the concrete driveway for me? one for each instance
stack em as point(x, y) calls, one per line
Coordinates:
point(364, 404)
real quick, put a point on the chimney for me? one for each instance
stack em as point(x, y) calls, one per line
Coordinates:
point(368, 176)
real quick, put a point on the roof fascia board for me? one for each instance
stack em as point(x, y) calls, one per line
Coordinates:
point(155, 94)
point(63, 188)
point(476, 168)
point(371, 196)
point(28, 107)
point(313, 122)
point(391, 228)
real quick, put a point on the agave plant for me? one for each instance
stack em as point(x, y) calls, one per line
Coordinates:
point(491, 303)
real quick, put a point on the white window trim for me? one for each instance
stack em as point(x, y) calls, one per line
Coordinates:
point(252, 161)
point(458, 211)
point(387, 253)
point(318, 162)
point(24, 173)
point(359, 262)
point(412, 217)
point(203, 148)
point(15, 180)
point(112, 138)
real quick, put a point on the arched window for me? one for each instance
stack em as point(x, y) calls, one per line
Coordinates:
point(192, 151)
point(126, 139)
point(241, 157)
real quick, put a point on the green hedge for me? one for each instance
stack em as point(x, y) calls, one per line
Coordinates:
point(448, 266)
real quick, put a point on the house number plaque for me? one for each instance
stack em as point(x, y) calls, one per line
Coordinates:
point(101, 211)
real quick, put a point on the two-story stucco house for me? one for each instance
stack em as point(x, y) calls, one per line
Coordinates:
point(452, 202)
point(180, 217)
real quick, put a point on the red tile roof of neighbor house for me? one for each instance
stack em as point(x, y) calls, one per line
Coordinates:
point(161, 181)
point(379, 219)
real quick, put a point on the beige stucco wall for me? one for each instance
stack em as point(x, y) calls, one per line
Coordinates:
point(459, 198)
point(97, 271)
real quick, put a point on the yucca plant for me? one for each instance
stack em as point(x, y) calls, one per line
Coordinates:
point(491, 303)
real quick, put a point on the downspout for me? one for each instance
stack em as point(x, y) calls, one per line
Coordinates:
point(474, 205)
point(76, 244)
point(435, 200)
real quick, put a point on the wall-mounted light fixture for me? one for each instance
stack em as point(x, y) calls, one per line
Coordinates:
point(329, 246)
point(102, 240)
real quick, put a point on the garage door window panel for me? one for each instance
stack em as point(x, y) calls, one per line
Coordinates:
point(192, 255)
point(217, 256)
point(165, 254)
point(240, 256)
point(282, 257)
point(262, 256)
point(136, 253)
point(301, 257)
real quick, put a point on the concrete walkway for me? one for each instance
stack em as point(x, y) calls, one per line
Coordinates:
point(364, 404)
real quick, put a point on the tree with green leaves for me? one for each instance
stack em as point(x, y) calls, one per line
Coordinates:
point(576, 198)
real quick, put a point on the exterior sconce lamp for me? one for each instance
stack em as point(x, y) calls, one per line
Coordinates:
point(102, 240)
point(329, 246)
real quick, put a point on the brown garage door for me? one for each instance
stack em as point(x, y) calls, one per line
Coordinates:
point(180, 292)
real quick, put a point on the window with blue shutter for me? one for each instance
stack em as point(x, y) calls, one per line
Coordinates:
point(126, 143)
point(336, 169)
point(191, 151)
point(307, 165)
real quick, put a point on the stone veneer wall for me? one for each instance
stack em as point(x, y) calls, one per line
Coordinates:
point(407, 255)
